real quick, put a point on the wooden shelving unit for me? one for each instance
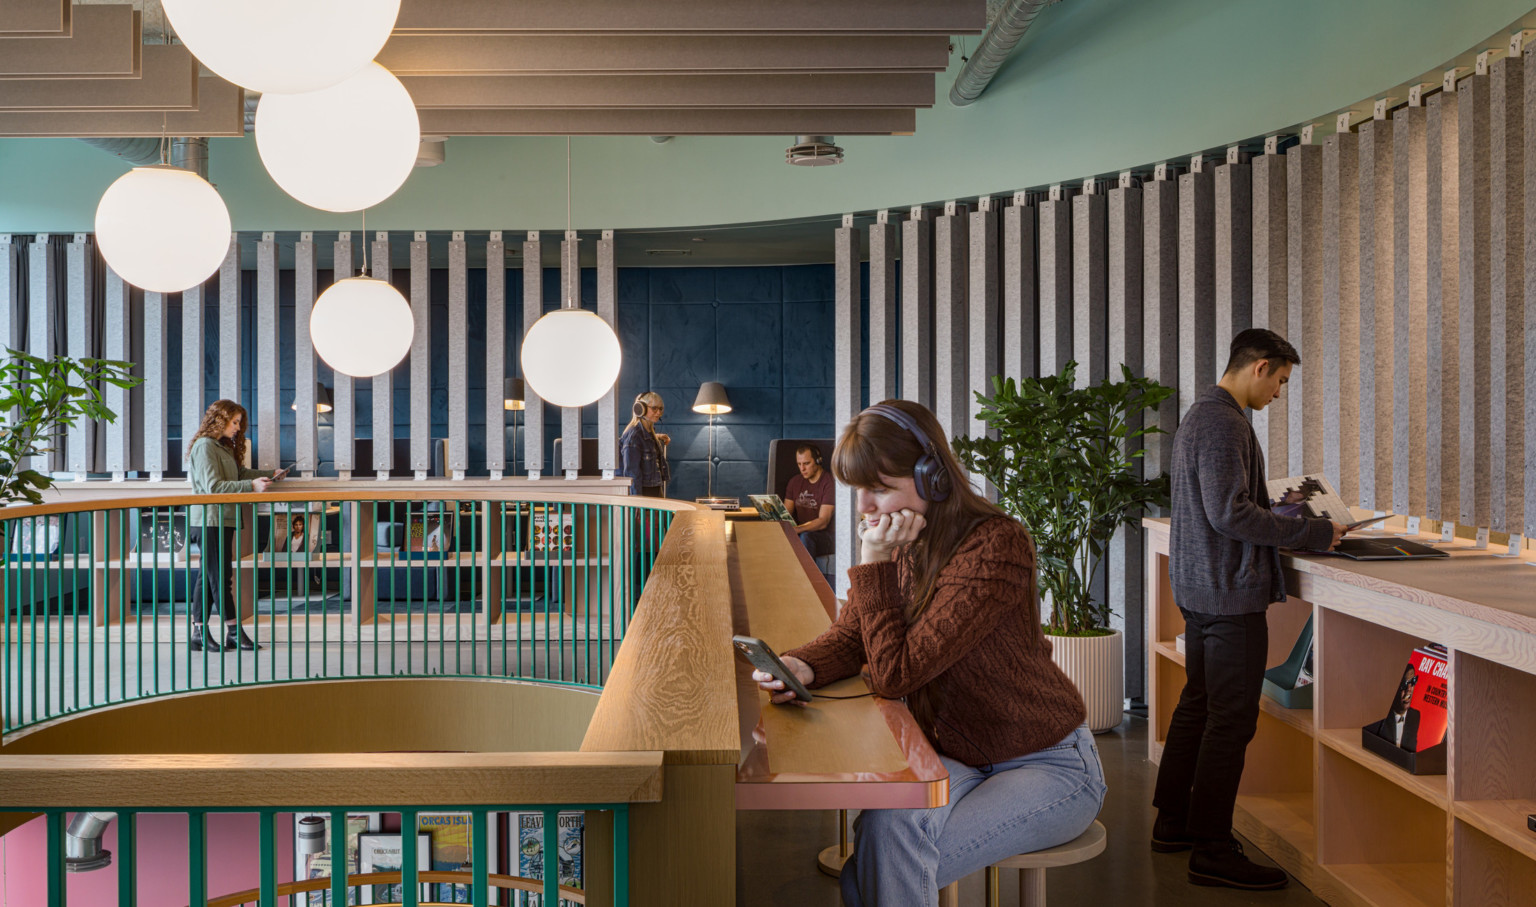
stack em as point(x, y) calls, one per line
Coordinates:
point(1352, 827)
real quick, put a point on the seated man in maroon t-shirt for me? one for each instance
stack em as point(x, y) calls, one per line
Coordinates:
point(809, 499)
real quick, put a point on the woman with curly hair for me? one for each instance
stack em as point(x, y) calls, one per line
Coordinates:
point(213, 462)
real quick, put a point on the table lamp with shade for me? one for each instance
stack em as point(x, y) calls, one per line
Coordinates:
point(713, 401)
point(513, 401)
point(323, 402)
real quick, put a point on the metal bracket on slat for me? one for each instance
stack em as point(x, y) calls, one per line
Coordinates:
point(951, 208)
point(1306, 133)
point(883, 216)
point(1160, 172)
point(344, 236)
point(306, 237)
point(1379, 110)
point(458, 236)
point(1517, 45)
point(1197, 163)
point(607, 235)
point(1448, 80)
point(421, 236)
point(495, 236)
point(1056, 193)
point(1341, 122)
point(1020, 199)
point(269, 237)
point(1090, 187)
point(1127, 180)
point(1484, 59)
point(533, 236)
point(1516, 546)
point(918, 212)
point(80, 238)
point(1416, 96)
point(381, 236)
point(985, 203)
point(1272, 144)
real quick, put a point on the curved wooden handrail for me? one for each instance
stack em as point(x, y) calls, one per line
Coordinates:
point(315, 490)
point(424, 877)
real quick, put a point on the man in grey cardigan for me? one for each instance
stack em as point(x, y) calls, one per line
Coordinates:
point(1224, 564)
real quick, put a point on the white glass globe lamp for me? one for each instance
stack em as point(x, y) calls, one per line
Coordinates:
point(361, 326)
point(571, 357)
point(343, 148)
point(162, 229)
point(285, 46)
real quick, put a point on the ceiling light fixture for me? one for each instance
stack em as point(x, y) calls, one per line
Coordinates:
point(813, 151)
point(571, 356)
point(162, 228)
point(285, 46)
point(361, 326)
point(343, 148)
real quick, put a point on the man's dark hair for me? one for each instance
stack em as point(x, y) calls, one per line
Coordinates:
point(1260, 343)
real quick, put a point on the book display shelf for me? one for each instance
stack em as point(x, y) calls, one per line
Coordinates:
point(1351, 826)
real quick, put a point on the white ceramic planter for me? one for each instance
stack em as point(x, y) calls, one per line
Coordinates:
point(1097, 665)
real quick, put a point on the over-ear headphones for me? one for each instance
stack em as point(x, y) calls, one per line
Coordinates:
point(929, 474)
point(814, 451)
point(640, 407)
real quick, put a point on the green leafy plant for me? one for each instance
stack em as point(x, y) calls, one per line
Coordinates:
point(1063, 462)
point(38, 399)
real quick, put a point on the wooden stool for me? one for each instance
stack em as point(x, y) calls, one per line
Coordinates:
point(1032, 868)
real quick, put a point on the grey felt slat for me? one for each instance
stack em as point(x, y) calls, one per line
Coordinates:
point(1090, 287)
point(1020, 301)
point(608, 310)
point(343, 398)
point(1472, 102)
point(117, 338)
point(1270, 273)
point(192, 362)
point(1234, 237)
point(306, 434)
point(1506, 296)
point(951, 272)
point(458, 354)
point(1442, 345)
point(268, 381)
point(1410, 310)
point(983, 287)
point(81, 305)
point(1304, 306)
point(495, 353)
point(1197, 286)
point(421, 356)
point(1341, 313)
point(1528, 162)
point(383, 385)
point(884, 252)
point(917, 307)
point(1376, 362)
point(42, 303)
point(229, 323)
point(1055, 264)
point(570, 295)
point(533, 310)
point(847, 371)
point(11, 293)
point(1160, 312)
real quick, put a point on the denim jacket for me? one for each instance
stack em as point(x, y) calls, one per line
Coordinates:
point(640, 458)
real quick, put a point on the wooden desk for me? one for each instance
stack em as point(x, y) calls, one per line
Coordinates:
point(1352, 827)
point(831, 754)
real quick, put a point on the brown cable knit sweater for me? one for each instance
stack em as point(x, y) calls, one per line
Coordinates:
point(978, 648)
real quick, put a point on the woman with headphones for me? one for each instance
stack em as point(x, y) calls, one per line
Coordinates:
point(944, 610)
point(642, 455)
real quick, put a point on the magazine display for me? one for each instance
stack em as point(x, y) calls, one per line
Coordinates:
point(530, 852)
point(318, 865)
point(429, 533)
point(296, 533)
point(385, 853)
point(1416, 718)
point(553, 531)
point(161, 532)
point(452, 849)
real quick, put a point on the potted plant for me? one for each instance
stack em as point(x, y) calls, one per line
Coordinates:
point(40, 397)
point(1063, 462)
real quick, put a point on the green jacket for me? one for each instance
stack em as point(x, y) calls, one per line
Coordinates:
point(214, 470)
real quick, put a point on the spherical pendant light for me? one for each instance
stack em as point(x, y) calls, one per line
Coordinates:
point(162, 229)
point(343, 148)
point(287, 46)
point(571, 357)
point(361, 327)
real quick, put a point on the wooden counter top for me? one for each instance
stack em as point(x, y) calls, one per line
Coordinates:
point(1474, 582)
point(830, 754)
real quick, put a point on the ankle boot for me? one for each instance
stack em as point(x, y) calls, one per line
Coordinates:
point(200, 639)
point(235, 638)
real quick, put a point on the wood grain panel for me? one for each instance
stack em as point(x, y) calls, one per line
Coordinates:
point(673, 684)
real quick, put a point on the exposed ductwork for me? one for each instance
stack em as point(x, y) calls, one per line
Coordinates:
point(82, 842)
point(187, 153)
point(997, 42)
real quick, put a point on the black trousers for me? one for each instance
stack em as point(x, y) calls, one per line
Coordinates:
point(216, 579)
point(1217, 715)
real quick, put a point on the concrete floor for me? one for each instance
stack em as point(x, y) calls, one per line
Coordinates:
point(776, 852)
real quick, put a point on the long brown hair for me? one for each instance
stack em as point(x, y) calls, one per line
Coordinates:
point(215, 420)
point(872, 445)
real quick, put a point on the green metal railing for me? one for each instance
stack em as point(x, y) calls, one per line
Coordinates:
point(343, 887)
point(100, 603)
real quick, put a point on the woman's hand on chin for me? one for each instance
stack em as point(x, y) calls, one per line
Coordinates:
point(883, 534)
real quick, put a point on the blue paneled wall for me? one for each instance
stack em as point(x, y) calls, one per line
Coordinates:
point(763, 332)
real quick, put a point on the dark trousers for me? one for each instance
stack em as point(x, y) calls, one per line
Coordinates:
point(1217, 715)
point(216, 579)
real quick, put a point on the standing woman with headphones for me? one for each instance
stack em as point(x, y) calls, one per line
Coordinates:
point(944, 610)
point(642, 454)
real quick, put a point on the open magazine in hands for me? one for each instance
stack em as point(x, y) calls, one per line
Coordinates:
point(1312, 496)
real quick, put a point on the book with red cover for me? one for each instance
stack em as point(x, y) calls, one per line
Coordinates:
point(1416, 719)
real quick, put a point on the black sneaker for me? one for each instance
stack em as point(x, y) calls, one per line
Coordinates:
point(1169, 835)
point(1223, 864)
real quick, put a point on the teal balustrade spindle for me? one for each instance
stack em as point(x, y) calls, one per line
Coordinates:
point(337, 826)
point(197, 856)
point(552, 857)
point(267, 850)
point(408, 858)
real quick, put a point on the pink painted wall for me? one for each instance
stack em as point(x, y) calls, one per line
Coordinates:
point(234, 861)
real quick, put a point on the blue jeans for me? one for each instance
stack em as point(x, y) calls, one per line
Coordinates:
point(902, 857)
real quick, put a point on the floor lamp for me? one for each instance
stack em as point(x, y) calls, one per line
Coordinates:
point(713, 401)
point(512, 399)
